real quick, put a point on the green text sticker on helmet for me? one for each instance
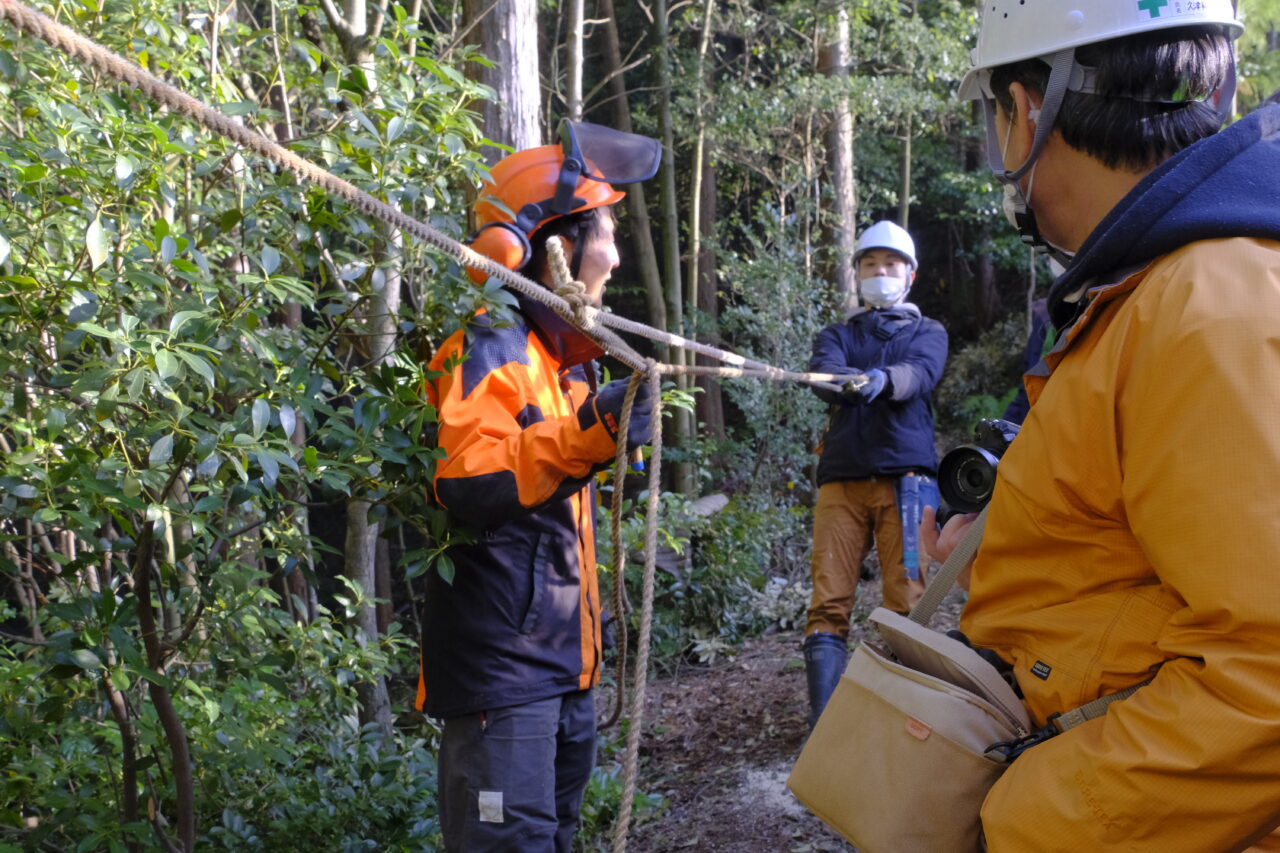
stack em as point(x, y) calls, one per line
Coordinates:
point(1013, 30)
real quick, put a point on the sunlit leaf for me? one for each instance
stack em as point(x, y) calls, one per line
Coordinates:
point(166, 364)
point(95, 242)
point(288, 420)
point(4, 249)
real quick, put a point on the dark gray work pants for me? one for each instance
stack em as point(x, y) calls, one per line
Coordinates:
point(511, 779)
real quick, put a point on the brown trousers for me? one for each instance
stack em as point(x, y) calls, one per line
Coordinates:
point(848, 513)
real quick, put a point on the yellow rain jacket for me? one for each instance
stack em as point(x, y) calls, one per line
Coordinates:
point(1135, 535)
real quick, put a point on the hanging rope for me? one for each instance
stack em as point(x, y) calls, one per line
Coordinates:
point(623, 825)
point(620, 466)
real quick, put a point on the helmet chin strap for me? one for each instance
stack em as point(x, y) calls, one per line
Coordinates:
point(1056, 89)
point(1064, 69)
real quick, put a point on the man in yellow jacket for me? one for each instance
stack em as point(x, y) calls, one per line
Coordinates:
point(1132, 535)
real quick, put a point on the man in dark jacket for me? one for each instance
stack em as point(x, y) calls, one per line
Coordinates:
point(511, 644)
point(878, 458)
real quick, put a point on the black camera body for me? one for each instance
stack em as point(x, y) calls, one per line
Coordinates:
point(967, 474)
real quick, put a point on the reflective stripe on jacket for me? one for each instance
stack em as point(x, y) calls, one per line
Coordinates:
point(521, 619)
point(1134, 532)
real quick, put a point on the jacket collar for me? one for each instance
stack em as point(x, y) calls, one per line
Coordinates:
point(1222, 186)
point(563, 341)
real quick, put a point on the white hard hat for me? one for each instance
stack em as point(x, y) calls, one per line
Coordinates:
point(887, 235)
point(1013, 30)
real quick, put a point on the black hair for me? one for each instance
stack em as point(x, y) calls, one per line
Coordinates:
point(1184, 64)
point(580, 228)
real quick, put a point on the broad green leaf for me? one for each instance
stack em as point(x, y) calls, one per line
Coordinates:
point(166, 364)
point(181, 319)
point(85, 659)
point(209, 465)
point(95, 242)
point(270, 470)
point(261, 416)
point(288, 420)
point(311, 457)
point(124, 169)
point(161, 451)
point(444, 565)
point(132, 486)
point(395, 127)
point(21, 490)
point(270, 260)
point(168, 249)
point(238, 108)
point(47, 515)
point(199, 365)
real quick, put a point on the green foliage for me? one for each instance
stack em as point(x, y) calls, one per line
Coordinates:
point(189, 356)
point(981, 378)
point(603, 797)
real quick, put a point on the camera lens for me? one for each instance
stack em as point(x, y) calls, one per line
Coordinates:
point(966, 478)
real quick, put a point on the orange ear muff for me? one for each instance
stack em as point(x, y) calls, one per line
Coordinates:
point(501, 242)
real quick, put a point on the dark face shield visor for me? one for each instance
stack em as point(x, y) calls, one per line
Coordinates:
point(603, 154)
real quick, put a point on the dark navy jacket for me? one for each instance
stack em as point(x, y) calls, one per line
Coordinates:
point(521, 620)
point(893, 434)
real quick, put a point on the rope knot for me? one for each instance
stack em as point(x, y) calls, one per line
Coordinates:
point(569, 289)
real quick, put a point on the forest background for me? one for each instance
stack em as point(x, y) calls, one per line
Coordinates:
point(213, 529)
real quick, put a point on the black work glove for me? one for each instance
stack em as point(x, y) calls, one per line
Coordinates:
point(605, 407)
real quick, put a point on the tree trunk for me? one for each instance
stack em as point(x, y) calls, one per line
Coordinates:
point(361, 560)
point(357, 28)
point(904, 185)
point(505, 30)
point(835, 63)
point(681, 427)
point(711, 400)
point(573, 62)
point(646, 259)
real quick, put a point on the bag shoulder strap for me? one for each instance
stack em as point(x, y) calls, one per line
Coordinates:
point(950, 572)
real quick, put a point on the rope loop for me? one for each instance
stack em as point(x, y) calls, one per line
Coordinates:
point(567, 287)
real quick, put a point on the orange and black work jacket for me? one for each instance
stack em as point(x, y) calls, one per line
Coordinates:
point(521, 620)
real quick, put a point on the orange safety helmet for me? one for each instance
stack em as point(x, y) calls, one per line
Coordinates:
point(530, 188)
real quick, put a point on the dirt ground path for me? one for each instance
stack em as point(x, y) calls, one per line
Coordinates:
point(719, 741)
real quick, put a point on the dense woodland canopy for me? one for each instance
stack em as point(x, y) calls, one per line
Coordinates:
point(215, 448)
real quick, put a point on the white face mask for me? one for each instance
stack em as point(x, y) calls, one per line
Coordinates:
point(881, 291)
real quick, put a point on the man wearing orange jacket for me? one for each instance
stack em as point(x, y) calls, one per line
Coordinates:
point(1131, 531)
point(511, 645)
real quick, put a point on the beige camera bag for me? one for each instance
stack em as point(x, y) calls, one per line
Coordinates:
point(916, 733)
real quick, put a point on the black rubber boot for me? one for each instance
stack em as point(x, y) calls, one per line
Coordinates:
point(825, 657)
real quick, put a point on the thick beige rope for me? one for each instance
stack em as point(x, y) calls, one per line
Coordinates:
point(640, 677)
point(567, 287)
point(620, 467)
